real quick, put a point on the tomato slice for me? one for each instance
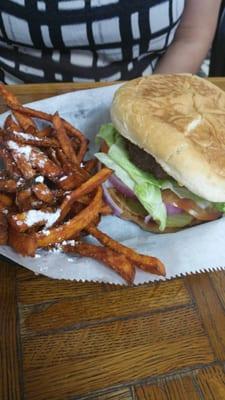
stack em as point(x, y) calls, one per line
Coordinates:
point(188, 205)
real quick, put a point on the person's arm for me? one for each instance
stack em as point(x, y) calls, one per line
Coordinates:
point(193, 38)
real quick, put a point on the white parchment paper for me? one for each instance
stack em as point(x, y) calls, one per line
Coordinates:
point(191, 250)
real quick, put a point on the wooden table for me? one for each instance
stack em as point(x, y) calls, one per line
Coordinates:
point(65, 340)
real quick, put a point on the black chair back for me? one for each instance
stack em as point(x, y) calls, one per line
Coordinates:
point(217, 62)
point(217, 59)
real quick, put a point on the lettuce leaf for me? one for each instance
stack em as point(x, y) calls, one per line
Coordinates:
point(119, 154)
point(220, 207)
point(119, 172)
point(108, 133)
point(144, 185)
point(150, 197)
point(147, 193)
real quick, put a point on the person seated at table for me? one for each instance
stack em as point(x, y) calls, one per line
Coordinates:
point(103, 40)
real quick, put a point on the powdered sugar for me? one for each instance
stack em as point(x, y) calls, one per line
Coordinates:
point(46, 232)
point(36, 216)
point(39, 179)
point(41, 163)
point(63, 178)
point(20, 182)
point(20, 149)
point(55, 249)
point(26, 136)
point(71, 242)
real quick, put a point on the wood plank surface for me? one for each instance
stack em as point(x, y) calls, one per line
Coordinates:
point(9, 353)
point(113, 353)
point(199, 384)
point(211, 382)
point(181, 387)
point(84, 341)
point(121, 394)
point(83, 308)
point(218, 281)
point(34, 289)
point(210, 310)
point(103, 338)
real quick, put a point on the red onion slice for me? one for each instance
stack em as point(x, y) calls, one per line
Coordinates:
point(116, 209)
point(172, 210)
point(121, 187)
point(147, 218)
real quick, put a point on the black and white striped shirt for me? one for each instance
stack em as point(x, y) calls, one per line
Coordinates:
point(84, 40)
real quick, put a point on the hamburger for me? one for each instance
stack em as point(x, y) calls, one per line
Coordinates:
point(166, 146)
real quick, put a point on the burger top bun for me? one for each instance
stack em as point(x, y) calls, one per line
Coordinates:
point(180, 120)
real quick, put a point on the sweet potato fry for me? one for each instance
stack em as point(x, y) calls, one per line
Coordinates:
point(8, 97)
point(75, 143)
point(79, 205)
point(22, 243)
point(29, 111)
point(43, 193)
point(29, 159)
point(22, 196)
point(106, 210)
point(52, 155)
point(21, 155)
point(118, 262)
point(70, 182)
point(25, 200)
point(72, 131)
point(44, 165)
point(70, 168)
point(63, 161)
point(47, 117)
point(6, 200)
point(75, 209)
point(45, 132)
point(11, 125)
point(64, 139)
point(147, 263)
point(27, 138)
point(8, 185)
point(82, 150)
point(90, 165)
point(73, 226)
point(84, 199)
point(85, 188)
point(3, 229)
point(26, 123)
point(9, 164)
point(75, 132)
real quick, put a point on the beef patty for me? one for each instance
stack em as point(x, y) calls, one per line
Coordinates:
point(145, 161)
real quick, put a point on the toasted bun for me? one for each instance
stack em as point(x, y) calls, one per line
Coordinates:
point(180, 120)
